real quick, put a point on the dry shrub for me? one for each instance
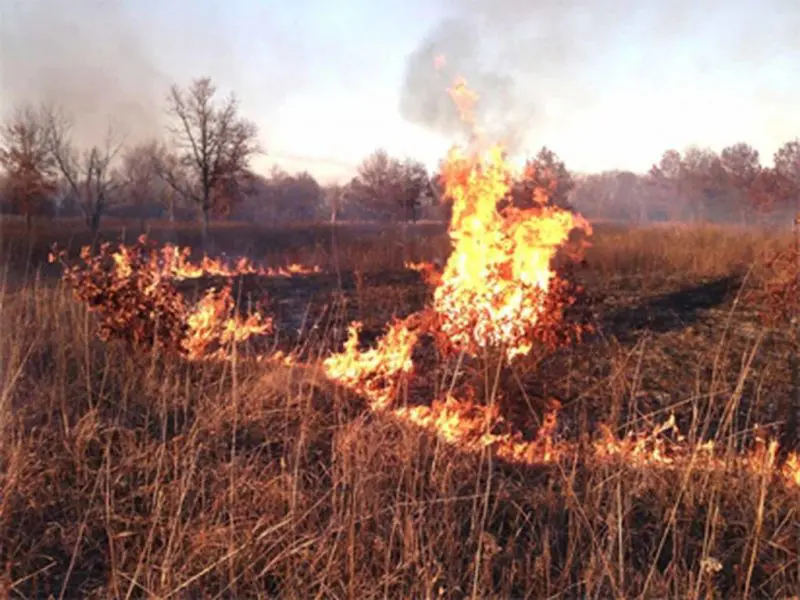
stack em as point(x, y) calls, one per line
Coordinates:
point(137, 303)
point(778, 292)
point(134, 302)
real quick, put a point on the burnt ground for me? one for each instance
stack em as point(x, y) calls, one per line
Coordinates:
point(310, 308)
point(679, 347)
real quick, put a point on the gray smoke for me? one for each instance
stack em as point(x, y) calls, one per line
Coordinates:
point(524, 56)
point(84, 57)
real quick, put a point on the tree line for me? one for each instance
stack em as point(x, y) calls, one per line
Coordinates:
point(699, 185)
point(201, 168)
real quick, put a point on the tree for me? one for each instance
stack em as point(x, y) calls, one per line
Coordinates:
point(545, 179)
point(385, 187)
point(89, 174)
point(667, 179)
point(626, 192)
point(290, 197)
point(139, 172)
point(438, 195)
point(375, 184)
point(787, 170)
point(415, 185)
point(335, 197)
point(768, 188)
point(705, 181)
point(31, 173)
point(214, 145)
point(742, 166)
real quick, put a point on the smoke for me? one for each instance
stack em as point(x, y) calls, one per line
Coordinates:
point(512, 53)
point(85, 58)
point(533, 63)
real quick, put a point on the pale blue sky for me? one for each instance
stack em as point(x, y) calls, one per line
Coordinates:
point(609, 84)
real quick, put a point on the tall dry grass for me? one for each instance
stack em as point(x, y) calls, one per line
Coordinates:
point(138, 476)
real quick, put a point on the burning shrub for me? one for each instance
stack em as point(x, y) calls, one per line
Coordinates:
point(130, 289)
point(498, 288)
point(212, 325)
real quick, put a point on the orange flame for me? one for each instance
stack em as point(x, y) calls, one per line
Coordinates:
point(212, 322)
point(374, 373)
point(495, 282)
point(173, 262)
point(492, 293)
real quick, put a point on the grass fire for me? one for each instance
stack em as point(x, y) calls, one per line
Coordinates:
point(513, 400)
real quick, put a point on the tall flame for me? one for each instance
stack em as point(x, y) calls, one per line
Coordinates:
point(493, 292)
point(499, 273)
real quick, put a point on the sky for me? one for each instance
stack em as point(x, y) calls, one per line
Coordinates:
point(606, 84)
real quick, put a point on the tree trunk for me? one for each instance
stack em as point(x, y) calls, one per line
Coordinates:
point(28, 222)
point(94, 225)
point(204, 227)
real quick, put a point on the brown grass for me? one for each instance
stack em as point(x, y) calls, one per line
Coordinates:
point(130, 476)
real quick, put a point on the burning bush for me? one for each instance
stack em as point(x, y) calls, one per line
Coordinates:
point(131, 290)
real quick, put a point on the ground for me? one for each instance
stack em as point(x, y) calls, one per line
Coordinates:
point(133, 474)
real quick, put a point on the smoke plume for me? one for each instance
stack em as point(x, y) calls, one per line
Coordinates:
point(538, 61)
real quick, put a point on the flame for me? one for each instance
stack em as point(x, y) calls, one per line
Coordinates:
point(791, 468)
point(472, 426)
point(496, 281)
point(430, 272)
point(173, 262)
point(492, 293)
point(374, 373)
point(130, 288)
point(212, 322)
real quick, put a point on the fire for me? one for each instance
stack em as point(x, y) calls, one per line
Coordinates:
point(174, 262)
point(497, 290)
point(653, 449)
point(791, 468)
point(131, 291)
point(496, 281)
point(374, 373)
point(472, 426)
point(212, 322)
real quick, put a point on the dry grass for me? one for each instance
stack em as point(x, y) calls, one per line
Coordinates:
point(131, 476)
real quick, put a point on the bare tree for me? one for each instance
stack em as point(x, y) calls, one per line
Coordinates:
point(90, 174)
point(415, 186)
point(31, 173)
point(375, 185)
point(669, 179)
point(214, 145)
point(626, 191)
point(286, 197)
point(139, 172)
point(335, 197)
point(385, 187)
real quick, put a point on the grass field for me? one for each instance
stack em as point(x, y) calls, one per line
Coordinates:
point(128, 475)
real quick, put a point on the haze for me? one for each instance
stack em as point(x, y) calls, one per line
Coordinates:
point(605, 83)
